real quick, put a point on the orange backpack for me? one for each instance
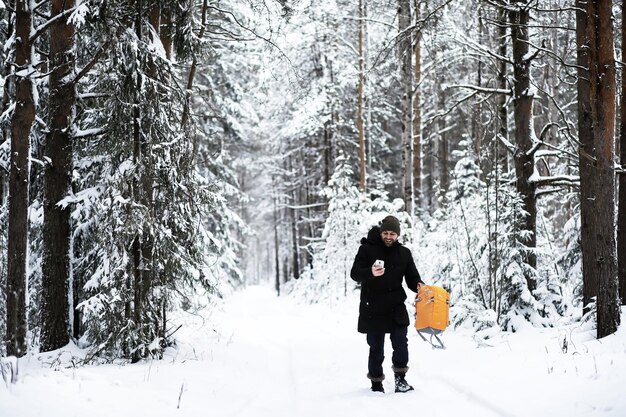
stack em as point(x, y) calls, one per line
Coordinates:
point(431, 312)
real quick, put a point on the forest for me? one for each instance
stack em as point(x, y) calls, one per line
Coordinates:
point(157, 155)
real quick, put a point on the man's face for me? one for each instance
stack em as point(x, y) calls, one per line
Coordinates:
point(389, 237)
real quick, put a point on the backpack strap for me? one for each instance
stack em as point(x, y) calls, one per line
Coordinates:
point(440, 346)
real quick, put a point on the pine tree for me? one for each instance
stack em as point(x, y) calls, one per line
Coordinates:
point(341, 231)
point(143, 238)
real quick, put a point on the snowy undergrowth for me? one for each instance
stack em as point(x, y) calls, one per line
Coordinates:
point(470, 246)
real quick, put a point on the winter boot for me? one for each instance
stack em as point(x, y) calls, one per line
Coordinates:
point(377, 383)
point(377, 386)
point(401, 384)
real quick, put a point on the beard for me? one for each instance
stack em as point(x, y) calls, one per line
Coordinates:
point(389, 242)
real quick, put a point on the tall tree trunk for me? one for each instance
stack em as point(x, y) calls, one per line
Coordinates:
point(501, 155)
point(276, 242)
point(327, 150)
point(442, 149)
point(500, 159)
point(7, 15)
point(192, 72)
point(21, 124)
point(476, 132)
point(428, 177)
point(621, 216)
point(141, 190)
point(2, 187)
point(154, 17)
point(329, 131)
point(360, 104)
point(293, 217)
point(56, 268)
point(585, 136)
point(597, 176)
point(153, 277)
point(77, 293)
point(417, 112)
point(604, 138)
point(405, 52)
point(524, 158)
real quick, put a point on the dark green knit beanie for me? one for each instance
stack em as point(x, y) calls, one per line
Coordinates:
point(390, 224)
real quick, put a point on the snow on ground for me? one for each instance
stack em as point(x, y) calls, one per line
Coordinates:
point(274, 357)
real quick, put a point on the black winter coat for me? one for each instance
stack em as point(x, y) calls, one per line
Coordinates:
point(382, 298)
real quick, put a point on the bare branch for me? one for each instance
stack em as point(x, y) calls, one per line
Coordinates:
point(91, 63)
point(409, 30)
point(454, 106)
point(541, 142)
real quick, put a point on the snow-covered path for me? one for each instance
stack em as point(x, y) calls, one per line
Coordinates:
point(302, 360)
point(274, 357)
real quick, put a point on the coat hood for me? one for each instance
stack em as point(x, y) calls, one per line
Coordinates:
point(373, 237)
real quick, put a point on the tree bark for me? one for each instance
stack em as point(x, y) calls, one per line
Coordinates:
point(604, 73)
point(2, 187)
point(585, 136)
point(166, 31)
point(597, 112)
point(6, 97)
point(621, 216)
point(276, 242)
point(361, 87)
point(428, 179)
point(19, 171)
point(476, 131)
point(442, 148)
point(417, 113)
point(142, 243)
point(153, 277)
point(501, 155)
point(293, 217)
point(327, 150)
point(56, 268)
point(405, 52)
point(523, 113)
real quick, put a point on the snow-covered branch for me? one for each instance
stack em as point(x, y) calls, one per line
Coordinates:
point(305, 206)
point(555, 180)
point(482, 89)
point(41, 29)
point(88, 132)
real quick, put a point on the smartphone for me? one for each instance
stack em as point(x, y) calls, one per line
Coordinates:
point(379, 263)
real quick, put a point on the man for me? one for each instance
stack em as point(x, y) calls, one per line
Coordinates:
point(382, 309)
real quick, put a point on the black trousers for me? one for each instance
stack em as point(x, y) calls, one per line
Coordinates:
point(399, 344)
